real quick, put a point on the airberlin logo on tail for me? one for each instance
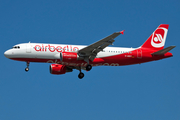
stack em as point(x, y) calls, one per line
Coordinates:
point(159, 37)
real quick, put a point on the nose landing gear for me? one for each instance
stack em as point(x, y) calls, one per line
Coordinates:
point(27, 68)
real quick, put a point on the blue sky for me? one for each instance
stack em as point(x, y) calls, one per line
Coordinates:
point(137, 92)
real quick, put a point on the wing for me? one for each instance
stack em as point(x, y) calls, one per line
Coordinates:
point(90, 52)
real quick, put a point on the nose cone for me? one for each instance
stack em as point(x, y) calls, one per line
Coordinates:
point(7, 54)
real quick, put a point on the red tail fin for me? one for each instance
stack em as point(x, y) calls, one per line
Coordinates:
point(157, 39)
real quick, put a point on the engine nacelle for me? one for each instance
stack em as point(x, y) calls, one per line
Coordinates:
point(69, 57)
point(58, 69)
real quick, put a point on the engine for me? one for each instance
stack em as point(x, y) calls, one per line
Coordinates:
point(58, 69)
point(69, 57)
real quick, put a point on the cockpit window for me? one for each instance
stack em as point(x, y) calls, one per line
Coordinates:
point(16, 47)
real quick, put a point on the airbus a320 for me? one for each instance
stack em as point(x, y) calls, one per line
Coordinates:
point(65, 58)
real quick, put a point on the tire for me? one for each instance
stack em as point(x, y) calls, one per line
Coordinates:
point(88, 67)
point(27, 69)
point(81, 75)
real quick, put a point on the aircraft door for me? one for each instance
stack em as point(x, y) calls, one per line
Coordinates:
point(139, 53)
point(28, 48)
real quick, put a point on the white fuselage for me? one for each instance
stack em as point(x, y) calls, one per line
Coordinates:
point(51, 51)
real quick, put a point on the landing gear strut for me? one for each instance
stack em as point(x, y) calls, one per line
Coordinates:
point(27, 68)
point(88, 67)
point(81, 75)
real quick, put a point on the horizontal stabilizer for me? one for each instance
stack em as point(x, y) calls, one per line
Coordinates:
point(163, 51)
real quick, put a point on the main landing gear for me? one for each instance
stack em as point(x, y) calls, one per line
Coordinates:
point(81, 75)
point(88, 67)
point(27, 68)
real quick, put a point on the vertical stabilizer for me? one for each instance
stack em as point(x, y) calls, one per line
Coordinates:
point(157, 39)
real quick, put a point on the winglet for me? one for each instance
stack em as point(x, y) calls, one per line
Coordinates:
point(122, 32)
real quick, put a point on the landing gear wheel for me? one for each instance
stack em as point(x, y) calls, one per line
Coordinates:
point(88, 67)
point(27, 69)
point(81, 75)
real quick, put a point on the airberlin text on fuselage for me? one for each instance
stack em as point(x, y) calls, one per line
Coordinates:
point(52, 48)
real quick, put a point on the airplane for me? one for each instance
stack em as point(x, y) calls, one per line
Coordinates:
point(65, 58)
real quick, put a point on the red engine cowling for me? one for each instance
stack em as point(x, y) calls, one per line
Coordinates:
point(69, 57)
point(57, 69)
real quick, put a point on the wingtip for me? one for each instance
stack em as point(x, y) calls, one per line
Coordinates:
point(122, 32)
